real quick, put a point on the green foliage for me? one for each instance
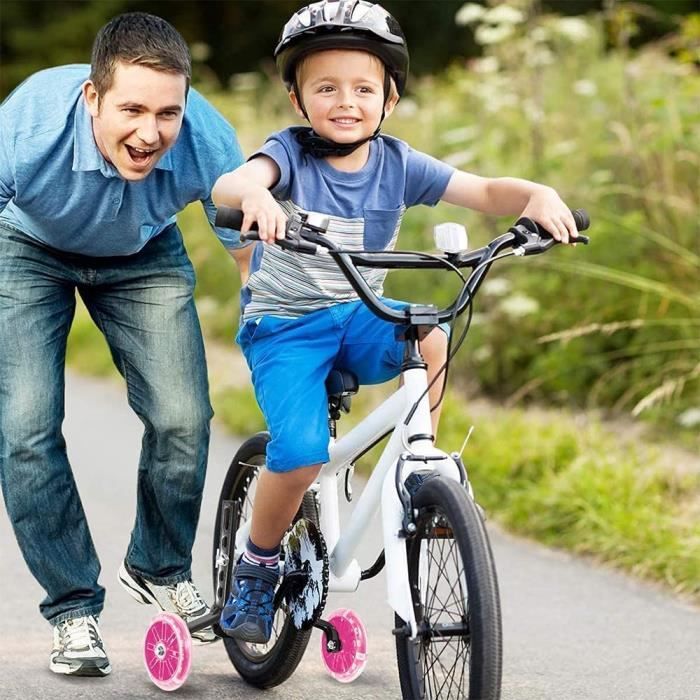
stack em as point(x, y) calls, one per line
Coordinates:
point(572, 485)
point(87, 349)
point(616, 324)
point(228, 38)
point(236, 408)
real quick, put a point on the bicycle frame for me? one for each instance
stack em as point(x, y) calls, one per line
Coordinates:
point(414, 439)
point(381, 488)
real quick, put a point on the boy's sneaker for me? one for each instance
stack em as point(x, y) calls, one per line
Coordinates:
point(78, 649)
point(250, 609)
point(182, 598)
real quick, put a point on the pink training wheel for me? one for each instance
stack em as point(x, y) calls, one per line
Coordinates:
point(348, 663)
point(167, 651)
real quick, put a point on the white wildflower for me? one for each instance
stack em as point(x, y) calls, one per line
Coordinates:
point(487, 35)
point(690, 418)
point(496, 286)
point(586, 88)
point(469, 13)
point(488, 64)
point(573, 28)
point(519, 305)
point(504, 14)
point(539, 56)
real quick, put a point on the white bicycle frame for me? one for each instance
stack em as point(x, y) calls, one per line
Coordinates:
point(345, 571)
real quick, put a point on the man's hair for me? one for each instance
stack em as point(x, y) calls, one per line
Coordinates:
point(138, 38)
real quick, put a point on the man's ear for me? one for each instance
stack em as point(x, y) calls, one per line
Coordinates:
point(295, 103)
point(92, 98)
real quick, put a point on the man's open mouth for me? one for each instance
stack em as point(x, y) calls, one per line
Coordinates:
point(140, 156)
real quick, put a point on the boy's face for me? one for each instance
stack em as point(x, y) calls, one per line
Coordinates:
point(138, 119)
point(343, 93)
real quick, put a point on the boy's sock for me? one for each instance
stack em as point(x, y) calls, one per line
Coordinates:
point(253, 554)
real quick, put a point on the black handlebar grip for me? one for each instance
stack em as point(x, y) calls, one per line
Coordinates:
point(581, 219)
point(228, 217)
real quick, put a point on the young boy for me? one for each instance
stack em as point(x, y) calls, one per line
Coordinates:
point(344, 63)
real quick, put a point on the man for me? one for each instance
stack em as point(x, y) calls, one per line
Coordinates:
point(94, 164)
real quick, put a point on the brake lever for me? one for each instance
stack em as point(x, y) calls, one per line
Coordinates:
point(532, 239)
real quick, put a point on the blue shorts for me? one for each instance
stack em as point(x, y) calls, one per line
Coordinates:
point(290, 359)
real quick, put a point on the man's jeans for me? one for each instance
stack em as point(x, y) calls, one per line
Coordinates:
point(143, 305)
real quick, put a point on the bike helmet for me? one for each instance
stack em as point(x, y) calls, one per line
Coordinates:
point(341, 24)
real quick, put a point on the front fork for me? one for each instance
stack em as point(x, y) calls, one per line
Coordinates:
point(398, 517)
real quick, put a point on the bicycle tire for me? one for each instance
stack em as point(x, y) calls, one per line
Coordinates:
point(263, 666)
point(450, 538)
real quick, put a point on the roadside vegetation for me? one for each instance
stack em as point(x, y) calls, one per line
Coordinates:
point(592, 354)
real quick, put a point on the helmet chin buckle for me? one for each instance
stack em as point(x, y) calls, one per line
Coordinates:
point(320, 147)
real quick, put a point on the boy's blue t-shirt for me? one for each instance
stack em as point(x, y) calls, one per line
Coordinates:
point(365, 210)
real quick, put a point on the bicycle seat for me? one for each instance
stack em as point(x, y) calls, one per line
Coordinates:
point(341, 382)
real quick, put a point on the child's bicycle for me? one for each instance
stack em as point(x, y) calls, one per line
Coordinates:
point(441, 579)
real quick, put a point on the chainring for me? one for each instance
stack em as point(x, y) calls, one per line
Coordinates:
point(306, 570)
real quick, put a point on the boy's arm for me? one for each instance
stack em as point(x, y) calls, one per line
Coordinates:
point(504, 196)
point(248, 188)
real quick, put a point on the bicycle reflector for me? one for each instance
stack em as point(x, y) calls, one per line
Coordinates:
point(450, 237)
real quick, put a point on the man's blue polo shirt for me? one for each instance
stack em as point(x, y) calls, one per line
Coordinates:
point(56, 186)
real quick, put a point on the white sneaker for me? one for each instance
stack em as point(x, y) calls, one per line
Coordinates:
point(78, 649)
point(182, 598)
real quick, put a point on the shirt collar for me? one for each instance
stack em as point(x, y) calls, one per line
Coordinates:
point(86, 154)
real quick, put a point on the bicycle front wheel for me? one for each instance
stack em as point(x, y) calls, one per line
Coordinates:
point(261, 665)
point(457, 652)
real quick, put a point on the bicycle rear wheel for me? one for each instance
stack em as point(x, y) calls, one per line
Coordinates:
point(261, 665)
point(457, 652)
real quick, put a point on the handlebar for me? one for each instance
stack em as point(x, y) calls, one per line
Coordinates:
point(305, 234)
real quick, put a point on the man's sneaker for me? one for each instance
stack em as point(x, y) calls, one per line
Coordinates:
point(78, 649)
point(182, 598)
point(250, 610)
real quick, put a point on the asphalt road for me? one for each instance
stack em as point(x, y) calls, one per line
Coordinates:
point(572, 630)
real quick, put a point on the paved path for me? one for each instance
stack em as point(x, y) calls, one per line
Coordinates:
point(572, 631)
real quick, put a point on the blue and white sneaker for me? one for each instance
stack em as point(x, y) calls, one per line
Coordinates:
point(250, 610)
